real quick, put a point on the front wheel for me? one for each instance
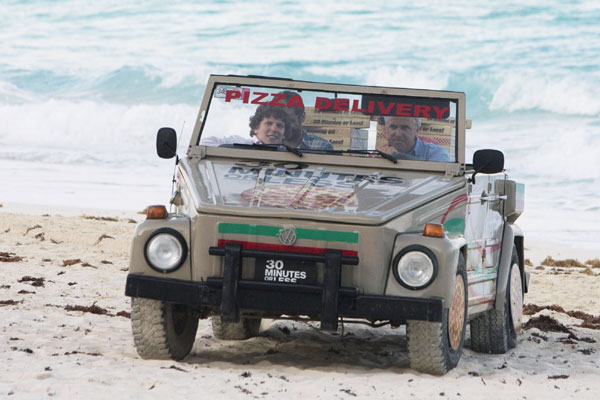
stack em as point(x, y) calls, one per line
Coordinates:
point(496, 331)
point(242, 330)
point(162, 330)
point(436, 347)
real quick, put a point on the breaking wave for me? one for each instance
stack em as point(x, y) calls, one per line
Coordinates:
point(90, 86)
point(560, 94)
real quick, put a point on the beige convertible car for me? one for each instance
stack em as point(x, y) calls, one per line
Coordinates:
point(331, 203)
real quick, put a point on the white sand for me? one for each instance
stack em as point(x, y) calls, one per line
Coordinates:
point(48, 351)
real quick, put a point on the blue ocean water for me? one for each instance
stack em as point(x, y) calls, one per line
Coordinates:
point(85, 85)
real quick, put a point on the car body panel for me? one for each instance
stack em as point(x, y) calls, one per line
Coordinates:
point(313, 191)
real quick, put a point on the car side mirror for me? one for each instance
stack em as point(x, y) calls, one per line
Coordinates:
point(487, 161)
point(166, 143)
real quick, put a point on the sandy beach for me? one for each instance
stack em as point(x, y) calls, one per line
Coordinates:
point(65, 331)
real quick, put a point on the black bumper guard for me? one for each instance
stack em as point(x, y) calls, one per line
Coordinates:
point(329, 300)
point(233, 253)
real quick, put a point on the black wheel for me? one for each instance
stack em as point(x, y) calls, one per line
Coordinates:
point(242, 330)
point(496, 331)
point(162, 330)
point(436, 347)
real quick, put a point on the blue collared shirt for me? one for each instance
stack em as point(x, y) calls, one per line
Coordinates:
point(425, 151)
point(311, 141)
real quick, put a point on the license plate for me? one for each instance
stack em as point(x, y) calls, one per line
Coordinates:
point(281, 270)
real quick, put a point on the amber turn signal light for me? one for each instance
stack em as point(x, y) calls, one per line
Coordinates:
point(434, 230)
point(156, 212)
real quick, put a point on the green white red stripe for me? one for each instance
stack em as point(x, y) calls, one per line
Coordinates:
point(334, 239)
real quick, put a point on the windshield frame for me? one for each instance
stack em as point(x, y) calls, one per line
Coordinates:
point(287, 84)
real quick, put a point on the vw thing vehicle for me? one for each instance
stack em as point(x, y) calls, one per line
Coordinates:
point(331, 203)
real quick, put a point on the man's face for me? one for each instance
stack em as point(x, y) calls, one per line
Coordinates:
point(294, 134)
point(270, 130)
point(401, 133)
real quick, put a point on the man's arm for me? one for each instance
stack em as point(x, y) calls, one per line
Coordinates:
point(436, 153)
point(312, 141)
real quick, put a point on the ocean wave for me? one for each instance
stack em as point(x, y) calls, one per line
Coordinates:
point(489, 92)
point(90, 86)
point(574, 94)
point(128, 84)
point(392, 75)
point(52, 156)
point(12, 94)
point(85, 125)
point(155, 52)
point(548, 150)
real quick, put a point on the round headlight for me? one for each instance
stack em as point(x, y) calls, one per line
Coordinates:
point(415, 269)
point(166, 252)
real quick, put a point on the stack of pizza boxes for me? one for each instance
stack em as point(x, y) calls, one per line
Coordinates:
point(438, 131)
point(344, 129)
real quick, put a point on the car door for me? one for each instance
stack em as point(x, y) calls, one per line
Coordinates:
point(483, 231)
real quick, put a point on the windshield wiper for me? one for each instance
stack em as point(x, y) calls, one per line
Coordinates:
point(378, 152)
point(264, 146)
point(350, 151)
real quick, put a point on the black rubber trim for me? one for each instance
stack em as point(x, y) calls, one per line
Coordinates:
point(423, 249)
point(232, 259)
point(177, 236)
point(331, 287)
point(277, 299)
point(231, 277)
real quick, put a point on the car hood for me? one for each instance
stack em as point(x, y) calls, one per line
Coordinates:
point(317, 192)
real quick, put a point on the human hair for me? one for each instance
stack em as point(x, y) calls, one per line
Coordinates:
point(416, 119)
point(263, 112)
point(299, 111)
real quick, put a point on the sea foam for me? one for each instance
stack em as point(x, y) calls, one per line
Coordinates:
point(89, 126)
point(83, 90)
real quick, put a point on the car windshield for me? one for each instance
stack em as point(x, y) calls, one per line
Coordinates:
point(326, 122)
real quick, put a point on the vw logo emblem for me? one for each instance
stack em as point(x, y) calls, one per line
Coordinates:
point(287, 236)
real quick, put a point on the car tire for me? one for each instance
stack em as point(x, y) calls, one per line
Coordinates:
point(162, 330)
point(495, 332)
point(242, 330)
point(435, 347)
point(515, 300)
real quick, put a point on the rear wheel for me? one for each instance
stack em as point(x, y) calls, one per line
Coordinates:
point(162, 330)
point(436, 347)
point(242, 330)
point(496, 331)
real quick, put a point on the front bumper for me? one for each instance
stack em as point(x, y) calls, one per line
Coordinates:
point(327, 301)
